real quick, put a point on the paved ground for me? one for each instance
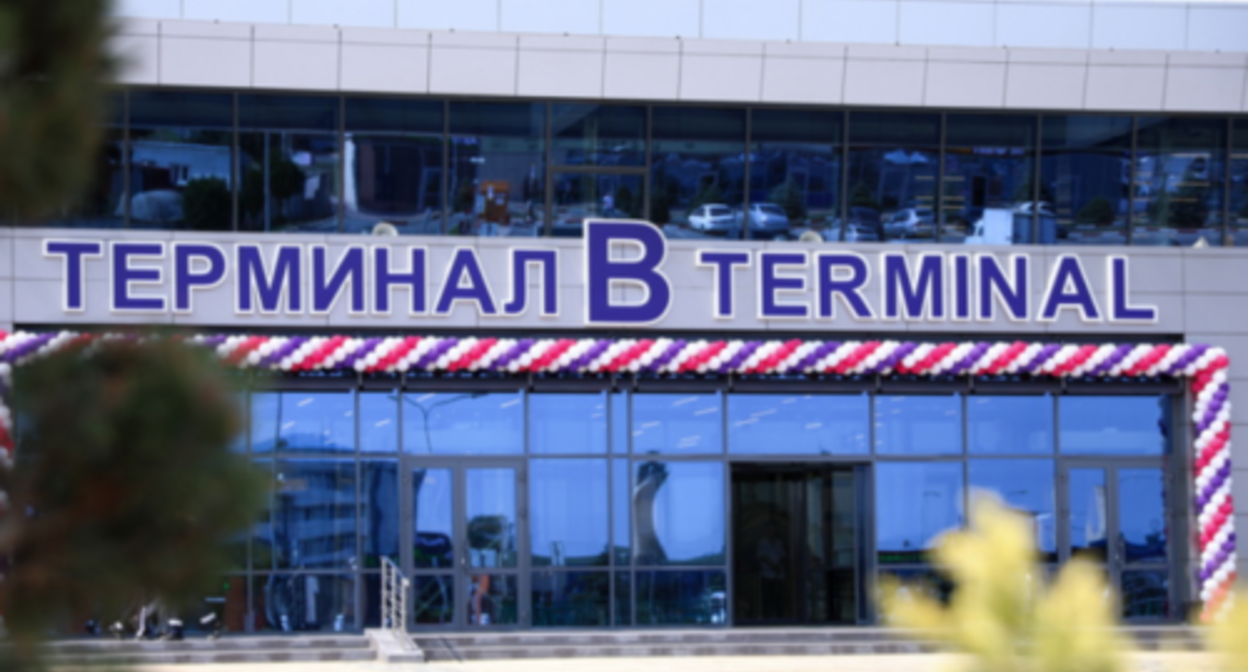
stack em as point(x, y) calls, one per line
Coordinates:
point(1150, 662)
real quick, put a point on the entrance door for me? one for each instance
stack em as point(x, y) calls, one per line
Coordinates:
point(594, 193)
point(468, 528)
point(1116, 517)
point(796, 543)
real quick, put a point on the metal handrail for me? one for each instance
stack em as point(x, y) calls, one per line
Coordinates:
point(393, 598)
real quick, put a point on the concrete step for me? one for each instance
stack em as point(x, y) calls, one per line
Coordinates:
point(240, 649)
point(435, 652)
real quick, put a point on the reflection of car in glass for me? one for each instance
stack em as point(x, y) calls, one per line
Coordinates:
point(863, 225)
point(911, 222)
point(767, 218)
point(712, 217)
point(857, 232)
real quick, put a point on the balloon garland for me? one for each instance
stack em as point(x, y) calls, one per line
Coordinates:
point(1204, 366)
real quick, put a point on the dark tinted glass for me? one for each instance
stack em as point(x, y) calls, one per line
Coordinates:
point(678, 513)
point(1010, 425)
point(434, 599)
point(623, 599)
point(677, 423)
point(497, 159)
point(688, 598)
point(795, 174)
point(568, 423)
point(1146, 594)
point(987, 195)
point(288, 164)
point(1085, 169)
point(181, 154)
point(918, 425)
point(892, 176)
point(1113, 425)
point(915, 502)
point(379, 422)
point(305, 602)
point(379, 511)
point(1239, 182)
point(598, 135)
point(568, 504)
point(798, 424)
point(697, 162)
point(314, 514)
point(1026, 487)
point(102, 204)
point(463, 423)
point(1179, 167)
point(393, 153)
point(571, 599)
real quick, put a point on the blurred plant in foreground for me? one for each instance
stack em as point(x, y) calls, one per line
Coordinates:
point(1003, 613)
point(123, 485)
point(1228, 634)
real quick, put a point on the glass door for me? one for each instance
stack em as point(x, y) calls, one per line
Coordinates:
point(467, 530)
point(1116, 517)
point(595, 193)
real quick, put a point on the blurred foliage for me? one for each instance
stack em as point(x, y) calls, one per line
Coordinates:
point(54, 74)
point(1003, 615)
point(1228, 636)
point(123, 486)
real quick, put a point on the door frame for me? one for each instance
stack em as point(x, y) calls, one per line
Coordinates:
point(1115, 560)
point(460, 571)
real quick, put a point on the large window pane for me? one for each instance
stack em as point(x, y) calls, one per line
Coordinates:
point(498, 164)
point(492, 599)
point(379, 511)
point(987, 197)
point(289, 163)
point(915, 502)
point(379, 422)
point(1085, 170)
point(892, 176)
point(677, 423)
point(1239, 182)
point(621, 495)
point(698, 172)
point(684, 598)
point(1179, 169)
point(393, 153)
point(795, 174)
point(620, 427)
point(578, 196)
point(568, 423)
point(598, 135)
point(568, 505)
point(918, 425)
point(102, 202)
point(314, 514)
point(1026, 486)
point(433, 518)
point(304, 602)
point(678, 513)
point(181, 154)
point(1142, 512)
point(311, 421)
point(777, 424)
point(463, 423)
point(571, 599)
point(1113, 425)
point(1010, 425)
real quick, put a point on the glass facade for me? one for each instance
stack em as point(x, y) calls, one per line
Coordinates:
point(617, 509)
point(216, 160)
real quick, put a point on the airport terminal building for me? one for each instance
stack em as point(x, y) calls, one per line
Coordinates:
point(629, 313)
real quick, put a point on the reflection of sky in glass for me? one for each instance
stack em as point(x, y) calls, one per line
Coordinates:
point(678, 512)
point(915, 502)
point(379, 510)
point(677, 423)
point(1117, 425)
point(1010, 425)
point(918, 425)
point(619, 512)
point(1142, 508)
point(491, 495)
point(379, 426)
point(313, 421)
point(463, 423)
point(433, 498)
point(1027, 487)
point(1087, 508)
point(568, 511)
point(619, 423)
point(568, 423)
point(798, 424)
